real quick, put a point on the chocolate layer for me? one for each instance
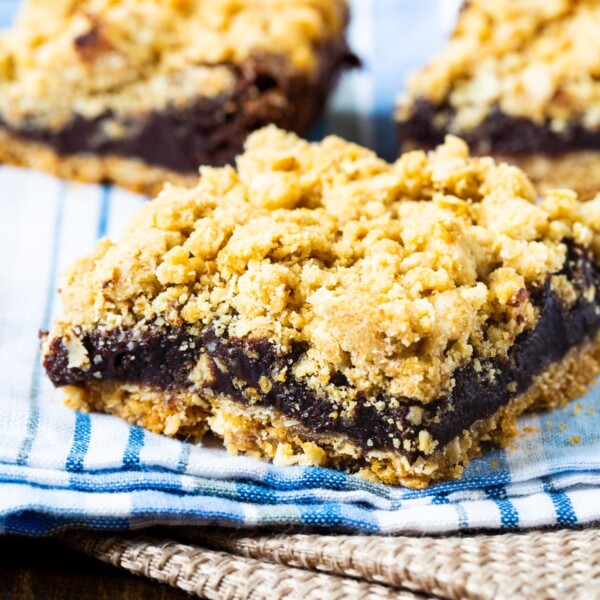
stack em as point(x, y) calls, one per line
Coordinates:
point(208, 131)
point(164, 357)
point(498, 133)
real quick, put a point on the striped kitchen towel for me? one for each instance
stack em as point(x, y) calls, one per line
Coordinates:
point(61, 469)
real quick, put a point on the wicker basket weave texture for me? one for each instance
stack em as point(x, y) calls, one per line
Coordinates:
point(217, 564)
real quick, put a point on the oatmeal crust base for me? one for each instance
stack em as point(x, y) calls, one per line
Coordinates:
point(130, 173)
point(264, 433)
point(183, 413)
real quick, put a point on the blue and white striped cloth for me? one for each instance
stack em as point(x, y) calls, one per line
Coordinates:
point(60, 469)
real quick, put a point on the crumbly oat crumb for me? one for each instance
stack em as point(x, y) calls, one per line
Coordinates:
point(536, 59)
point(90, 56)
point(392, 274)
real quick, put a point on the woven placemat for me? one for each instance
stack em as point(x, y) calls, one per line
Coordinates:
point(217, 564)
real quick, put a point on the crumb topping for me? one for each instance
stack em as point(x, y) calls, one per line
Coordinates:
point(393, 274)
point(90, 56)
point(538, 59)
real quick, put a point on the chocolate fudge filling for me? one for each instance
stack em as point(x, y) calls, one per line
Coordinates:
point(498, 133)
point(209, 130)
point(164, 357)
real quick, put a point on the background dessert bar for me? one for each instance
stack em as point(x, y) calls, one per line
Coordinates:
point(518, 80)
point(139, 92)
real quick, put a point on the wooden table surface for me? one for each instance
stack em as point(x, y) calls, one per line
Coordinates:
point(34, 568)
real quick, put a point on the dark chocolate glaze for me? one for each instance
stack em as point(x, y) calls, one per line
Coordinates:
point(164, 356)
point(156, 356)
point(498, 133)
point(208, 131)
point(250, 360)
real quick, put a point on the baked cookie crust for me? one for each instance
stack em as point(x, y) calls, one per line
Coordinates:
point(517, 80)
point(168, 85)
point(318, 305)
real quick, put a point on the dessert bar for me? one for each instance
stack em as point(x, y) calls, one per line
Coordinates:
point(320, 306)
point(136, 92)
point(518, 80)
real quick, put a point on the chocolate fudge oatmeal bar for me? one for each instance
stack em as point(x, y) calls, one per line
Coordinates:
point(137, 92)
point(319, 306)
point(519, 79)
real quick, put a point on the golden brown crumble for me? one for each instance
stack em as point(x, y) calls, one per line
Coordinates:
point(392, 274)
point(89, 56)
point(538, 59)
